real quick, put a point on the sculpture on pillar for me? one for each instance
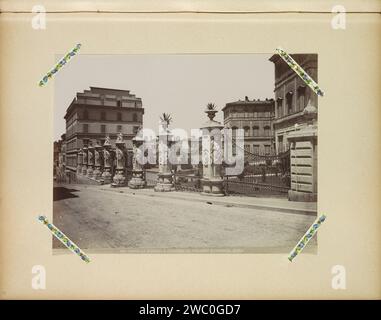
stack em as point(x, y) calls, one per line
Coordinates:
point(165, 177)
point(90, 161)
point(119, 178)
point(84, 161)
point(138, 179)
point(212, 182)
point(97, 161)
point(106, 175)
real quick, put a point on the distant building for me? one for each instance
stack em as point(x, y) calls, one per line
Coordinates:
point(291, 96)
point(98, 112)
point(255, 118)
point(56, 151)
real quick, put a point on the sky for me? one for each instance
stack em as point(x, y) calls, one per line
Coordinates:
point(181, 85)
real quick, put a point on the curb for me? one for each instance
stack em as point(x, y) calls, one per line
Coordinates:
point(211, 201)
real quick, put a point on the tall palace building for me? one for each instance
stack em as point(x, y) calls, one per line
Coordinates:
point(292, 95)
point(98, 112)
point(255, 118)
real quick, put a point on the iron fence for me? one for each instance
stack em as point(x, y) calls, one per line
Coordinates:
point(267, 174)
point(190, 181)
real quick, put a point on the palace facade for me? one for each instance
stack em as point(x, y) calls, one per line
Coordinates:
point(98, 112)
point(291, 97)
point(255, 118)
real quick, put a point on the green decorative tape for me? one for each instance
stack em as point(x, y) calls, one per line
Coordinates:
point(306, 238)
point(299, 71)
point(59, 65)
point(64, 239)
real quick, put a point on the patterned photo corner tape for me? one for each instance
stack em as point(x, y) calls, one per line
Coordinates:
point(59, 65)
point(299, 71)
point(64, 239)
point(306, 238)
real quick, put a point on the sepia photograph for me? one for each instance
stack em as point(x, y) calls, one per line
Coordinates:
point(166, 153)
point(213, 153)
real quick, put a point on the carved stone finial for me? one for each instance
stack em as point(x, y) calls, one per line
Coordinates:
point(107, 141)
point(119, 138)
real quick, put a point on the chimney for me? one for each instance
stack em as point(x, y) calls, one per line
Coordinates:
point(246, 98)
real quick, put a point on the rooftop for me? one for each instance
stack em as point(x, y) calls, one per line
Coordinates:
point(248, 102)
point(102, 94)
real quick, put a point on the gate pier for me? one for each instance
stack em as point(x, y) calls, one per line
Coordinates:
point(303, 151)
point(212, 153)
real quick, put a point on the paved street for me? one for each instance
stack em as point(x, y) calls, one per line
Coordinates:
point(100, 218)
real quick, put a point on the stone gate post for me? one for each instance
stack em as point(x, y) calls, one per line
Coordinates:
point(90, 161)
point(165, 177)
point(212, 149)
point(106, 175)
point(119, 178)
point(303, 153)
point(97, 161)
point(138, 180)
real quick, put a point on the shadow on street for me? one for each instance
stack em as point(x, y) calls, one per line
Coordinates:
point(61, 193)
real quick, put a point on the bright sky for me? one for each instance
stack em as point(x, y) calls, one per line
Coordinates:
point(181, 85)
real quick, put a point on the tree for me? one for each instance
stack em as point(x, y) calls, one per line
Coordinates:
point(211, 107)
point(166, 117)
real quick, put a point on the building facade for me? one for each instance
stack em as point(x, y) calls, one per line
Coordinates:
point(255, 118)
point(291, 97)
point(98, 112)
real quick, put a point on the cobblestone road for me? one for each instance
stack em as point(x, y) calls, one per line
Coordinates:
point(97, 219)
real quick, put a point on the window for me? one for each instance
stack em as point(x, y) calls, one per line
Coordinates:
point(85, 142)
point(103, 115)
point(289, 102)
point(234, 131)
point(119, 128)
point(85, 115)
point(301, 97)
point(279, 107)
point(247, 147)
point(134, 117)
point(256, 149)
point(118, 103)
point(85, 128)
point(280, 144)
point(267, 131)
point(103, 128)
point(135, 130)
point(247, 131)
point(119, 116)
point(267, 149)
point(256, 131)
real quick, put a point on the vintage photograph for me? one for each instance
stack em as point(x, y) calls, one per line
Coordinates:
point(185, 153)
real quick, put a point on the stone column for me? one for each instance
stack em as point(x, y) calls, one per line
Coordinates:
point(97, 161)
point(212, 182)
point(79, 162)
point(90, 161)
point(84, 160)
point(303, 153)
point(119, 178)
point(138, 180)
point(106, 175)
point(165, 177)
